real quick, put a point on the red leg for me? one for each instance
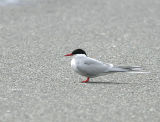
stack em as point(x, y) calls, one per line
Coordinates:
point(86, 80)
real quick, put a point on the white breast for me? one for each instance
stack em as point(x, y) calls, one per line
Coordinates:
point(77, 59)
point(73, 64)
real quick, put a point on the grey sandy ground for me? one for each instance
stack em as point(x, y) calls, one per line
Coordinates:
point(36, 81)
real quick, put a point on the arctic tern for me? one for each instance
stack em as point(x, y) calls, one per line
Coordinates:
point(90, 68)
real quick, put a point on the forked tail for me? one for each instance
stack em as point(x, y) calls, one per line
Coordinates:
point(129, 69)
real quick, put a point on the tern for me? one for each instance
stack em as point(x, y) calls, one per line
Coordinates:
point(90, 68)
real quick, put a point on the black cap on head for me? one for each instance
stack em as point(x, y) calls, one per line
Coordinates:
point(78, 51)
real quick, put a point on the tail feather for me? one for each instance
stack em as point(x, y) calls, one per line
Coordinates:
point(127, 69)
point(130, 68)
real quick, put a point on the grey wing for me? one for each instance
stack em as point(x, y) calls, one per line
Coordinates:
point(91, 67)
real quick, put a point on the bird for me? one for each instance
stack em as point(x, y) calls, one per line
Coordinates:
point(90, 68)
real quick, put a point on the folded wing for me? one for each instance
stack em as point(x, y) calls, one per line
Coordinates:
point(92, 68)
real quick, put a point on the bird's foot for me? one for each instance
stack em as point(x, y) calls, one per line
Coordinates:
point(86, 80)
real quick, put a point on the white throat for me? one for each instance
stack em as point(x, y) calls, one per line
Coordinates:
point(76, 60)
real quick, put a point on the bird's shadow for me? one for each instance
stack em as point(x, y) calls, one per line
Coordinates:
point(111, 83)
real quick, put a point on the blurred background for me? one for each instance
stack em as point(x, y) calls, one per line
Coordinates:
point(37, 83)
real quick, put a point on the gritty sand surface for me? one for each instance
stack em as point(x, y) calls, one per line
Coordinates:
point(36, 81)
